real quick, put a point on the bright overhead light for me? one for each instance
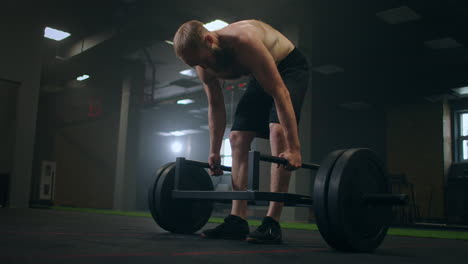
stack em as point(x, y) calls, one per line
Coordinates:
point(215, 25)
point(461, 90)
point(443, 43)
point(55, 34)
point(185, 101)
point(398, 15)
point(172, 133)
point(189, 72)
point(82, 77)
point(169, 42)
point(179, 133)
point(176, 147)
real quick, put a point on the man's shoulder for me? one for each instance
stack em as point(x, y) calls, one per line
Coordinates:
point(238, 38)
point(239, 30)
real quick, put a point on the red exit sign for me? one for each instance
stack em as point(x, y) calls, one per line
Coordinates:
point(94, 107)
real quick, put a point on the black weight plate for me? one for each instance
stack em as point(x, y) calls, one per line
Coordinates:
point(180, 215)
point(320, 197)
point(357, 227)
point(151, 190)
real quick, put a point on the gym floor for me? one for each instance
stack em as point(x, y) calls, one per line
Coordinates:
point(54, 236)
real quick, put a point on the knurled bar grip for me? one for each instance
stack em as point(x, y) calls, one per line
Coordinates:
point(282, 161)
point(205, 165)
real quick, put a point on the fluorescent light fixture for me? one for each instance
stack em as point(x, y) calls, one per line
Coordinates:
point(176, 147)
point(169, 42)
point(179, 133)
point(82, 77)
point(189, 72)
point(215, 25)
point(194, 111)
point(185, 101)
point(442, 43)
point(398, 15)
point(328, 69)
point(55, 34)
point(442, 97)
point(461, 90)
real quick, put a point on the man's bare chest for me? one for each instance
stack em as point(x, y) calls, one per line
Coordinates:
point(228, 69)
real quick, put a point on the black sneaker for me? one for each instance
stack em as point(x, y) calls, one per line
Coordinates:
point(269, 232)
point(233, 227)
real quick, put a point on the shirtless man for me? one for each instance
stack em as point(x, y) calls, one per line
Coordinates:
point(269, 108)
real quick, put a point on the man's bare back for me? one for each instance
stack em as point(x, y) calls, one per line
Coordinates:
point(226, 66)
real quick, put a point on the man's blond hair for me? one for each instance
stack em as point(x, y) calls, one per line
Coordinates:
point(189, 37)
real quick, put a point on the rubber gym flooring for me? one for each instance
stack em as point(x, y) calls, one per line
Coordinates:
point(55, 236)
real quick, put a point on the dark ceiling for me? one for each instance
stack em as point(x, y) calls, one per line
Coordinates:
point(381, 63)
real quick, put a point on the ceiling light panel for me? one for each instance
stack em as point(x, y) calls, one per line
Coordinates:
point(442, 43)
point(215, 25)
point(398, 15)
point(55, 34)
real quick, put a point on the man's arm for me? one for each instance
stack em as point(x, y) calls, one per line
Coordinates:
point(254, 55)
point(216, 113)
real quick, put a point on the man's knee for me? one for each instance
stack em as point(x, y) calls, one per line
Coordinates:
point(240, 140)
point(276, 133)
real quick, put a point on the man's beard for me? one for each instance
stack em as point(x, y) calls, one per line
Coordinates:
point(223, 59)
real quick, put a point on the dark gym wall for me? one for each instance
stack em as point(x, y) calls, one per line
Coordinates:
point(20, 53)
point(335, 127)
point(85, 156)
point(82, 141)
point(415, 148)
point(8, 92)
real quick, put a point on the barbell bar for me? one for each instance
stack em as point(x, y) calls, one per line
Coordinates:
point(283, 161)
point(367, 198)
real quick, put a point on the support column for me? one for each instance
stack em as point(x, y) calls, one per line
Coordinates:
point(128, 139)
point(121, 190)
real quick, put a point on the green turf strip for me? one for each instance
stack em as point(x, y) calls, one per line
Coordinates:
point(429, 233)
point(463, 235)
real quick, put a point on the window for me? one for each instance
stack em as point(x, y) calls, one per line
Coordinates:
point(461, 134)
point(226, 154)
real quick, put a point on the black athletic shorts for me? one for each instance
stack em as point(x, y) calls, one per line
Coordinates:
point(256, 109)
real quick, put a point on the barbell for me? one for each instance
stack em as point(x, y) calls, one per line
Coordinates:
point(351, 197)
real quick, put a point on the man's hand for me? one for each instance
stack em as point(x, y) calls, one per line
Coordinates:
point(215, 160)
point(294, 160)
